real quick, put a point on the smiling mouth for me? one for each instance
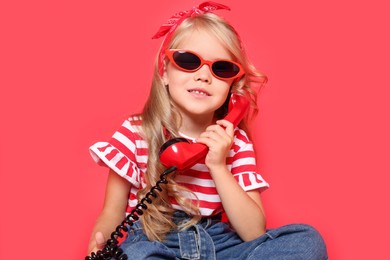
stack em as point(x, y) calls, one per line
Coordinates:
point(198, 92)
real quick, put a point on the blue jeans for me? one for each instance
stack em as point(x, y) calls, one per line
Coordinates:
point(213, 239)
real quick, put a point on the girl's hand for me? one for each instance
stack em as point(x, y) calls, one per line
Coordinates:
point(219, 139)
point(100, 242)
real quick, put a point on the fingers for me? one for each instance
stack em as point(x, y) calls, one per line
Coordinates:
point(229, 128)
point(218, 136)
point(100, 240)
point(223, 130)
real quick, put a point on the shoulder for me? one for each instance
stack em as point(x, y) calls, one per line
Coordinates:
point(129, 134)
point(131, 126)
point(240, 135)
point(134, 123)
point(241, 141)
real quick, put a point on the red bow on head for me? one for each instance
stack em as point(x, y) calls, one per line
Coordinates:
point(177, 18)
point(170, 26)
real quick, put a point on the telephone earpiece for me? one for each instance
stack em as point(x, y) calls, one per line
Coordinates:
point(237, 108)
point(181, 153)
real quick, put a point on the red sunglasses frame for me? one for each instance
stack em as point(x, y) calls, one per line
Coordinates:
point(169, 53)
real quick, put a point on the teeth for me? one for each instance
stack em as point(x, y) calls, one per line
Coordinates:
point(198, 92)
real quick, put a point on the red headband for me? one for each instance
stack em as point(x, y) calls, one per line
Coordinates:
point(169, 27)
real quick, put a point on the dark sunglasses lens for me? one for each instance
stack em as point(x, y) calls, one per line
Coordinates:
point(225, 69)
point(186, 60)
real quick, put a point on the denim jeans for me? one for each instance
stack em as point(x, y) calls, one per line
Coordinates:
point(212, 239)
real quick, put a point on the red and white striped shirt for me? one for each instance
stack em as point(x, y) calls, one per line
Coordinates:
point(126, 153)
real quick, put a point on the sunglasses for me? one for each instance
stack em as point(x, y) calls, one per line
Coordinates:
point(190, 62)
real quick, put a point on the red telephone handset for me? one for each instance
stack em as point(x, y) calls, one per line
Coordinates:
point(182, 154)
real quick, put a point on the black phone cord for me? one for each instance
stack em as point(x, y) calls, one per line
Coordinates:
point(112, 249)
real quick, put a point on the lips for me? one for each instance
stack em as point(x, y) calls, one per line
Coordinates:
point(200, 92)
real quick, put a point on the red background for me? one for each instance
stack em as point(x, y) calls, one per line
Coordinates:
point(71, 72)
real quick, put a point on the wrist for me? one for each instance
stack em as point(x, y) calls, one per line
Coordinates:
point(218, 169)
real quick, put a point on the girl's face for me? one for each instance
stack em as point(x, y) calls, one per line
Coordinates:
point(198, 94)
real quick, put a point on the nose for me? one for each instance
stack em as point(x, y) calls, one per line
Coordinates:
point(203, 74)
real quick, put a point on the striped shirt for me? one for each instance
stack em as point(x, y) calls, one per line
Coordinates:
point(126, 153)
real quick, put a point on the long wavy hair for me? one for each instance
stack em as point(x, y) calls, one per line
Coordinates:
point(160, 116)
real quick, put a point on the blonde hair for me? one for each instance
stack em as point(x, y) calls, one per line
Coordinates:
point(160, 116)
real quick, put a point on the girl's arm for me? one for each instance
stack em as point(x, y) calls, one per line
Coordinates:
point(244, 209)
point(113, 212)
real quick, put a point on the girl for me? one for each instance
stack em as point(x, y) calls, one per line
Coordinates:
point(201, 62)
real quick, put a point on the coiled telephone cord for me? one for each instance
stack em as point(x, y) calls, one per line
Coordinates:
point(112, 249)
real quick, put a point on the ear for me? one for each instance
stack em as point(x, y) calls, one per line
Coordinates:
point(165, 77)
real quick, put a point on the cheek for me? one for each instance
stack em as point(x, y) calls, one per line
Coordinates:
point(174, 84)
point(177, 83)
point(175, 76)
point(225, 87)
point(226, 90)
point(224, 93)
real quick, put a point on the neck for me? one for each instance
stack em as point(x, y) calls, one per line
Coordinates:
point(194, 126)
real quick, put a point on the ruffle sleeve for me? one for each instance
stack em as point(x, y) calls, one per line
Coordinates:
point(119, 154)
point(243, 164)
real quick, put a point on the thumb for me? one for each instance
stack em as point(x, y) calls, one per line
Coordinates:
point(100, 240)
